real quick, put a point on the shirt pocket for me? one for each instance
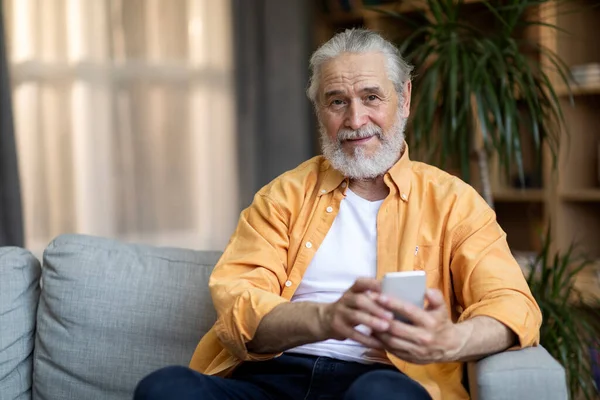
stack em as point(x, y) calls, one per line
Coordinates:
point(428, 258)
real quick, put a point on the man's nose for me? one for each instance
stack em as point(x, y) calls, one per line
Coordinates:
point(356, 115)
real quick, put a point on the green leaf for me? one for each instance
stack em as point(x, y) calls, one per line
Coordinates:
point(569, 324)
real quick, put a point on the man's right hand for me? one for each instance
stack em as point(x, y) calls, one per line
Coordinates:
point(357, 306)
point(290, 324)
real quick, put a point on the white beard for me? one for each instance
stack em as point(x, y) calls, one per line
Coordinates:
point(358, 165)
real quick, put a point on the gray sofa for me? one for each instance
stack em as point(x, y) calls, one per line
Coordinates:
point(108, 313)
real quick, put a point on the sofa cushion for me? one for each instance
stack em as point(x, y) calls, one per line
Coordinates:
point(110, 313)
point(19, 294)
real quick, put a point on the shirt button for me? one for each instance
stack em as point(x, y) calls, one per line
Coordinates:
point(343, 184)
point(404, 196)
point(308, 245)
point(288, 283)
point(329, 209)
point(323, 191)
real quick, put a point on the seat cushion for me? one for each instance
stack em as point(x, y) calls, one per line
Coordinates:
point(110, 313)
point(19, 294)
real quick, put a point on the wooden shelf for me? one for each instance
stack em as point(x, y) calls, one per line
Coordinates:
point(588, 282)
point(578, 90)
point(581, 195)
point(518, 195)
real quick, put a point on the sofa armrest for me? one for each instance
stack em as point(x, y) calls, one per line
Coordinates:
point(530, 373)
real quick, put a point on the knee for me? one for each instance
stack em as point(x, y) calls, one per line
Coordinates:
point(385, 384)
point(158, 384)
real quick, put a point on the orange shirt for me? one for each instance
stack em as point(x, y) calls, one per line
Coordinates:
point(460, 246)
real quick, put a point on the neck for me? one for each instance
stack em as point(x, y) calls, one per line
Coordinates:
point(370, 189)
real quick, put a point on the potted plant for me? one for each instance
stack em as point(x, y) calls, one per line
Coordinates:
point(571, 326)
point(475, 76)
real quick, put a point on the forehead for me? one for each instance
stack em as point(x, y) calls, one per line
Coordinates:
point(354, 69)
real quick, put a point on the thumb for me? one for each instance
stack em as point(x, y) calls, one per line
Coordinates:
point(435, 299)
point(366, 284)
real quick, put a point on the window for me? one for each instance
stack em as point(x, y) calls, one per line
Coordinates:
point(125, 119)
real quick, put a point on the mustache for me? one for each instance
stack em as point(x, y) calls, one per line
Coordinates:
point(362, 132)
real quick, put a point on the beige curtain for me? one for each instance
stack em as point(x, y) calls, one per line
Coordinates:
point(125, 119)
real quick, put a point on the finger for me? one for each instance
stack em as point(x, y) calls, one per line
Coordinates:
point(366, 340)
point(398, 345)
point(409, 311)
point(354, 318)
point(409, 351)
point(367, 302)
point(410, 333)
point(435, 299)
point(372, 295)
point(366, 284)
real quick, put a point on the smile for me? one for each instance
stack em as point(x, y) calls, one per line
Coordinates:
point(359, 140)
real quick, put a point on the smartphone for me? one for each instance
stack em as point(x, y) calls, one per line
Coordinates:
point(408, 286)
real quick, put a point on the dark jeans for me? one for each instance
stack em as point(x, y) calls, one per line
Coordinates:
point(289, 376)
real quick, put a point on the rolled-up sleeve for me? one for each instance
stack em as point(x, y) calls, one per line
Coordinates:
point(487, 279)
point(246, 283)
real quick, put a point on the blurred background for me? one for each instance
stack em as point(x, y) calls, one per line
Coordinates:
point(150, 120)
point(156, 121)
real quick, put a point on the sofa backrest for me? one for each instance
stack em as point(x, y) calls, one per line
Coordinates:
point(19, 293)
point(110, 313)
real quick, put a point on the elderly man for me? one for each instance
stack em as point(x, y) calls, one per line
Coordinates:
point(297, 291)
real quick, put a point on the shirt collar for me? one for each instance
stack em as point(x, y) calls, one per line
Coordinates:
point(333, 179)
point(399, 174)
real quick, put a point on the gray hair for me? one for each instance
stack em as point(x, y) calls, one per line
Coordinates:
point(359, 41)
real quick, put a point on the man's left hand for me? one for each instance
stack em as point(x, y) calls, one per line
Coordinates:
point(432, 338)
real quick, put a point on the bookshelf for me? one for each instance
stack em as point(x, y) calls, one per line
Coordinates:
point(568, 195)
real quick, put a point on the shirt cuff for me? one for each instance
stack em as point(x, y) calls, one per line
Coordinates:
point(511, 312)
point(238, 326)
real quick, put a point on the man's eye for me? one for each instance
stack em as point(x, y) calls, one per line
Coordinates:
point(337, 103)
point(372, 97)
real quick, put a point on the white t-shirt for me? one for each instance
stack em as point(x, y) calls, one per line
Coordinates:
point(348, 252)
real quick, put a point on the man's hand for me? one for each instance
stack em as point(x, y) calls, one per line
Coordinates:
point(359, 305)
point(433, 337)
point(290, 325)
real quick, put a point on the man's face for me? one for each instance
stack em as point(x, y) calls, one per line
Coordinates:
point(361, 117)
